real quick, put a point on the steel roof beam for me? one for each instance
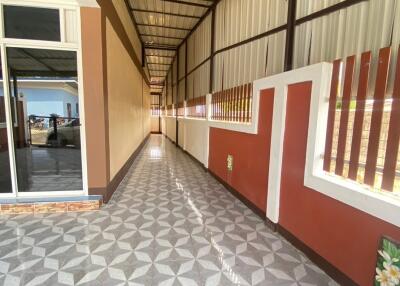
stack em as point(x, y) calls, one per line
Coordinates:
point(165, 13)
point(187, 3)
point(161, 47)
point(163, 37)
point(161, 26)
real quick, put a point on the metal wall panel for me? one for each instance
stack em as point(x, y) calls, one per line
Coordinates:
point(253, 60)
point(169, 7)
point(175, 72)
point(199, 44)
point(182, 61)
point(169, 88)
point(249, 62)
point(238, 20)
point(307, 7)
point(199, 81)
point(181, 88)
point(126, 20)
point(366, 26)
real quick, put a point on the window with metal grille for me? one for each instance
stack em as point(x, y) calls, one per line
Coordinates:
point(364, 121)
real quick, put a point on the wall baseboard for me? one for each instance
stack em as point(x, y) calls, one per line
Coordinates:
point(239, 196)
point(193, 158)
point(325, 265)
point(113, 185)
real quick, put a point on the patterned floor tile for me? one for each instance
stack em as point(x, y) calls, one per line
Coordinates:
point(169, 223)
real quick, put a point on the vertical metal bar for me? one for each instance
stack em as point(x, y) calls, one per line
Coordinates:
point(241, 95)
point(392, 147)
point(159, 112)
point(231, 104)
point(249, 96)
point(166, 92)
point(220, 105)
point(359, 114)
point(236, 104)
point(221, 109)
point(177, 97)
point(224, 95)
point(344, 118)
point(238, 91)
point(214, 97)
point(212, 106)
point(376, 118)
point(186, 68)
point(217, 105)
point(205, 110)
point(245, 98)
point(290, 33)
point(331, 115)
point(226, 101)
point(228, 104)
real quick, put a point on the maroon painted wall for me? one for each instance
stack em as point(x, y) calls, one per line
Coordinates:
point(250, 155)
point(346, 237)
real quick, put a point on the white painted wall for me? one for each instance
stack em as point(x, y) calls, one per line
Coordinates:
point(155, 124)
point(170, 127)
point(181, 132)
point(195, 134)
point(163, 126)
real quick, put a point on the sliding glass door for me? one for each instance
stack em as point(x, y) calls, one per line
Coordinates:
point(40, 117)
point(43, 88)
point(5, 169)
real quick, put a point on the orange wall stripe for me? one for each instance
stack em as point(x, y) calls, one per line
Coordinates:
point(392, 147)
point(344, 118)
point(331, 115)
point(377, 112)
point(359, 114)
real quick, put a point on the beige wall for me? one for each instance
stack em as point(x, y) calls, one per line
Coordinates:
point(125, 18)
point(126, 104)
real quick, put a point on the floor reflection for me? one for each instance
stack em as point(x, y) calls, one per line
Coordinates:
point(169, 223)
point(42, 169)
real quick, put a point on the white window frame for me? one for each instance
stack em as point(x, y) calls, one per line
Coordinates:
point(361, 197)
point(62, 5)
point(348, 192)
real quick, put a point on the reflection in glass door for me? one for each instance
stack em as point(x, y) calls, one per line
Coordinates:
point(43, 87)
point(5, 170)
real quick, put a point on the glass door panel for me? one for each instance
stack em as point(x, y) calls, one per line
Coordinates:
point(43, 89)
point(5, 171)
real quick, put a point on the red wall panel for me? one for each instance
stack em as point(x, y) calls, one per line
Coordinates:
point(250, 155)
point(346, 237)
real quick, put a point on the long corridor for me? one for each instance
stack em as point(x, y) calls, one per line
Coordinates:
point(169, 223)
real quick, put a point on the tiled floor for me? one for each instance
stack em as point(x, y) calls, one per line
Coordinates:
point(169, 223)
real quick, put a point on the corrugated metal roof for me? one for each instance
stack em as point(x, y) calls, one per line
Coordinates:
point(163, 25)
point(37, 62)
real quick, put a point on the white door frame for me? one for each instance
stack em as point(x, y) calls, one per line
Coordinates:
point(35, 44)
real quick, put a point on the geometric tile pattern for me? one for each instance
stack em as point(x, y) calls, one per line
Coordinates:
point(169, 223)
